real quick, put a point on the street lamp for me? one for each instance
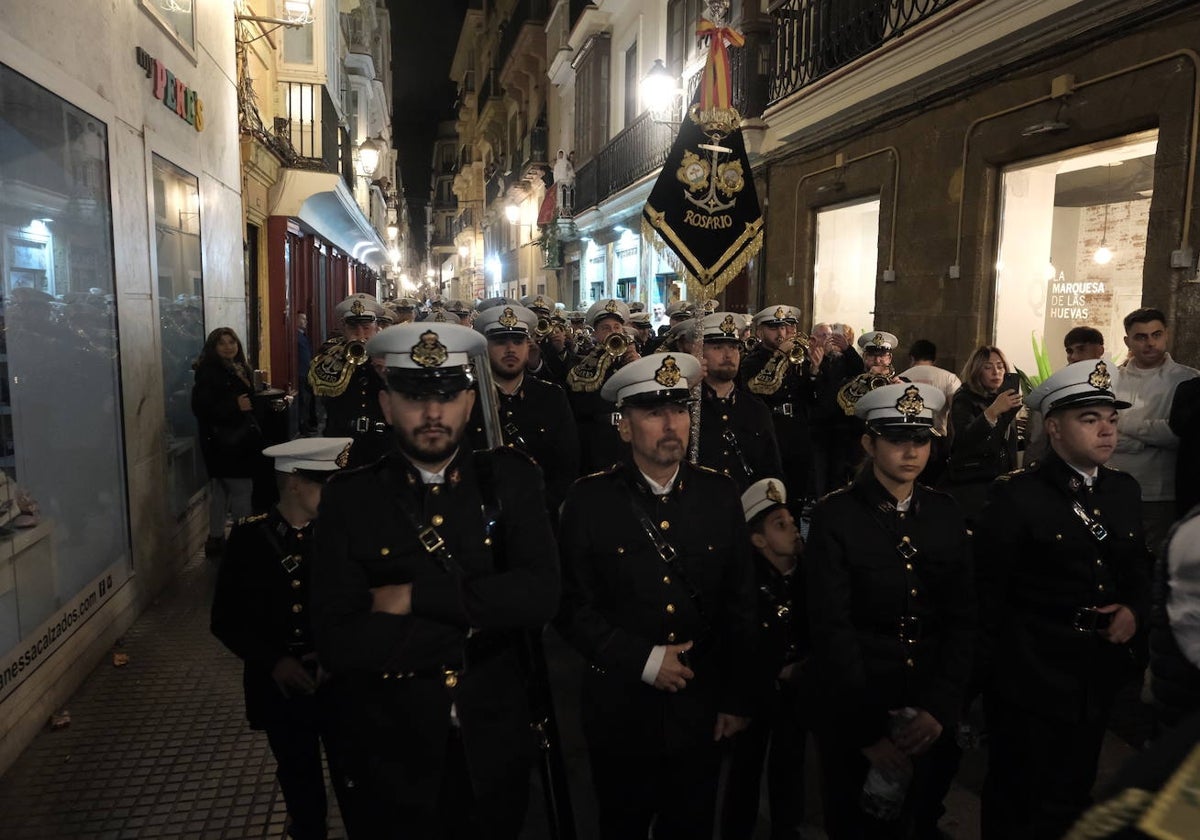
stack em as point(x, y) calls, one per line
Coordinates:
point(513, 213)
point(659, 91)
point(369, 152)
point(463, 251)
point(393, 230)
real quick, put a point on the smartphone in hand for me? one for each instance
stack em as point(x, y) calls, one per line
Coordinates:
point(1012, 382)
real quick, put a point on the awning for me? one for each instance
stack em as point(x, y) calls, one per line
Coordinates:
point(322, 202)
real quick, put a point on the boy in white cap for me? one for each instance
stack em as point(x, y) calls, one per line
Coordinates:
point(1062, 566)
point(658, 596)
point(892, 613)
point(429, 562)
point(782, 647)
point(261, 612)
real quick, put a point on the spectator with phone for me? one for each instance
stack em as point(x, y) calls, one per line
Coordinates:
point(1062, 576)
point(983, 436)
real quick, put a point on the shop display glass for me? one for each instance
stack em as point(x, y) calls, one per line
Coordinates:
point(63, 519)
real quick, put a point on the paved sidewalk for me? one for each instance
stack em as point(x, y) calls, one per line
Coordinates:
point(156, 749)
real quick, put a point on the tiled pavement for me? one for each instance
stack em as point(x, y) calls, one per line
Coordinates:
point(159, 748)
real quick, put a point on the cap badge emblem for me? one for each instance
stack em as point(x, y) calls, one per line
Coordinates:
point(508, 319)
point(710, 306)
point(773, 493)
point(910, 404)
point(357, 308)
point(1100, 377)
point(429, 352)
point(668, 374)
point(539, 301)
point(439, 316)
point(780, 313)
point(727, 326)
point(877, 340)
point(343, 457)
point(611, 306)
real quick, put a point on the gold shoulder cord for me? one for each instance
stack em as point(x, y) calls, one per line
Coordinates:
point(769, 380)
point(333, 367)
point(1175, 812)
point(1111, 815)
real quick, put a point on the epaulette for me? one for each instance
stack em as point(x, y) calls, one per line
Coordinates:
point(257, 517)
point(710, 470)
point(1014, 473)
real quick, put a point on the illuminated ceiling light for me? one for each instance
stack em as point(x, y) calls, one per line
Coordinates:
point(464, 251)
point(513, 213)
point(1103, 255)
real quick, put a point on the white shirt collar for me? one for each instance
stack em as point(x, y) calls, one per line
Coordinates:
point(1089, 478)
point(438, 477)
point(661, 489)
point(903, 504)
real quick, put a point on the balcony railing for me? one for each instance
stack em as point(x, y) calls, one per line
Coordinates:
point(526, 11)
point(534, 153)
point(811, 38)
point(465, 221)
point(311, 131)
point(631, 155)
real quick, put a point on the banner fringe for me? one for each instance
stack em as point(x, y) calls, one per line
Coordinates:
point(696, 289)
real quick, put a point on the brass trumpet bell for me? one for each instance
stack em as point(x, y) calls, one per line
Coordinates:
point(617, 345)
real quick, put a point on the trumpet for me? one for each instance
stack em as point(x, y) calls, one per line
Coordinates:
point(797, 350)
point(543, 328)
point(617, 344)
point(356, 352)
point(749, 343)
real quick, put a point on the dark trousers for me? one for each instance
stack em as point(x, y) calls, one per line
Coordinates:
point(1040, 771)
point(295, 735)
point(457, 811)
point(676, 792)
point(845, 769)
point(777, 735)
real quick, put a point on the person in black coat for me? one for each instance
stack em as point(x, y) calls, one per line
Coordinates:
point(599, 444)
point(534, 415)
point(430, 562)
point(658, 597)
point(230, 438)
point(891, 611)
point(350, 393)
point(1184, 421)
point(737, 437)
point(788, 390)
point(983, 442)
point(260, 612)
point(780, 725)
point(1174, 629)
point(1063, 582)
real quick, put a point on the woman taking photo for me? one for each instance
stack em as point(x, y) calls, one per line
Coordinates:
point(891, 612)
point(230, 439)
point(983, 436)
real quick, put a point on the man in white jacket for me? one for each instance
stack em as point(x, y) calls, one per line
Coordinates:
point(1146, 446)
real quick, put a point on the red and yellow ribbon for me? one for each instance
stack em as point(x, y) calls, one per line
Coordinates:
point(715, 85)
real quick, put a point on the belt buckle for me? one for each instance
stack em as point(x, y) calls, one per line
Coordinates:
point(729, 436)
point(431, 540)
point(615, 418)
point(1098, 531)
point(910, 629)
point(290, 563)
point(667, 552)
point(906, 549)
point(786, 410)
point(362, 425)
point(1086, 619)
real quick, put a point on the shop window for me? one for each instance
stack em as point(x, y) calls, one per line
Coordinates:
point(1072, 246)
point(181, 321)
point(176, 17)
point(62, 483)
point(847, 258)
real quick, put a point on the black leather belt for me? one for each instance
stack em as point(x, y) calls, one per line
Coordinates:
point(362, 425)
point(1081, 619)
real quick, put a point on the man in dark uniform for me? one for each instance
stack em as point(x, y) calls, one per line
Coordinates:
point(770, 373)
point(596, 416)
point(535, 416)
point(835, 436)
point(348, 384)
point(642, 330)
point(429, 562)
point(260, 612)
point(1063, 583)
point(780, 724)
point(737, 437)
point(658, 596)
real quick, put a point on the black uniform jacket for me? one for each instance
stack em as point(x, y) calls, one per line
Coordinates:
point(600, 445)
point(537, 419)
point(889, 628)
point(789, 406)
point(783, 637)
point(502, 577)
point(260, 609)
point(555, 365)
point(736, 434)
point(620, 599)
point(1038, 563)
point(356, 413)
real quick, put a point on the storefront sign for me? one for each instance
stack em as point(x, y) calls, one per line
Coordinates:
point(171, 91)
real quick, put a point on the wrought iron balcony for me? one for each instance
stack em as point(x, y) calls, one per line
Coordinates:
point(811, 38)
point(631, 155)
point(532, 12)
